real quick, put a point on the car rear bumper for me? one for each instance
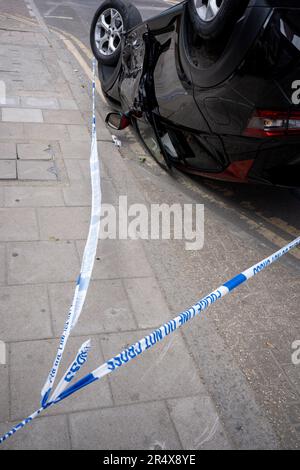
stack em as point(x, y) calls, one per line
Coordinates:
point(270, 163)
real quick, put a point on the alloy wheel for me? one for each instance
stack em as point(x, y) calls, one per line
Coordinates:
point(108, 32)
point(208, 9)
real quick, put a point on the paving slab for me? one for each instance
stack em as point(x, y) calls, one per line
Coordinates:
point(64, 223)
point(21, 115)
point(45, 433)
point(39, 102)
point(165, 371)
point(38, 151)
point(119, 259)
point(78, 133)
point(16, 51)
point(8, 169)
point(63, 117)
point(27, 314)
point(198, 424)
point(59, 262)
point(13, 101)
point(144, 426)
point(48, 94)
point(107, 308)
point(39, 356)
point(148, 303)
point(32, 196)
point(103, 132)
point(79, 150)
point(23, 38)
point(18, 224)
point(67, 104)
point(4, 389)
point(37, 170)
point(80, 194)
point(2, 263)
point(45, 131)
point(11, 131)
point(79, 169)
point(44, 82)
point(8, 151)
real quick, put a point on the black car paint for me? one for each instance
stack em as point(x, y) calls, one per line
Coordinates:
point(205, 108)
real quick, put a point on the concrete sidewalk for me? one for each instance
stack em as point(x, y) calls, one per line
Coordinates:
point(216, 385)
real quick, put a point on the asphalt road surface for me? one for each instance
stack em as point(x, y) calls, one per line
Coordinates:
point(75, 16)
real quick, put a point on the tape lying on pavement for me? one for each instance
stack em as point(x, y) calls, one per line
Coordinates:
point(157, 335)
point(88, 259)
point(79, 361)
point(165, 330)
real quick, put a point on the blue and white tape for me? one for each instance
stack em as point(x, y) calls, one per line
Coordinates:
point(88, 257)
point(159, 334)
point(75, 366)
point(165, 330)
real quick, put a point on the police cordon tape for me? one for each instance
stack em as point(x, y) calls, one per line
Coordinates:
point(157, 335)
point(88, 259)
point(62, 391)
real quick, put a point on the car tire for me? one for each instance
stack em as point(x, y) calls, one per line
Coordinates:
point(111, 20)
point(212, 19)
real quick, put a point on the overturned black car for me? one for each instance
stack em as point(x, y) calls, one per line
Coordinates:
point(211, 86)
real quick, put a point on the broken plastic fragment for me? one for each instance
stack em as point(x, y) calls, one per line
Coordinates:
point(116, 141)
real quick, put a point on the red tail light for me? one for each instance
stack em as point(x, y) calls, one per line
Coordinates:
point(273, 123)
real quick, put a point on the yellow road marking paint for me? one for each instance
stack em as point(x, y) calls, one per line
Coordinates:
point(281, 224)
point(88, 71)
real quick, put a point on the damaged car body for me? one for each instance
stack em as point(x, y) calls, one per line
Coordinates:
point(211, 86)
